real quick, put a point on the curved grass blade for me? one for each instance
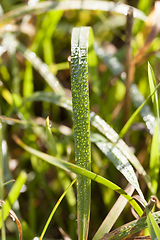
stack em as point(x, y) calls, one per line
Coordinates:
point(42, 7)
point(55, 208)
point(111, 135)
point(78, 170)
point(130, 228)
point(8, 182)
point(121, 163)
point(42, 69)
point(81, 120)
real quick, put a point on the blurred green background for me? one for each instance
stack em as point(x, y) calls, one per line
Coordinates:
point(48, 35)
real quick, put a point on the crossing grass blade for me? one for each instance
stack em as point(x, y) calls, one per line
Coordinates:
point(79, 170)
point(130, 228)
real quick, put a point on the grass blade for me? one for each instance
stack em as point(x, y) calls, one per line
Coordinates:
point(152, 85)
point(55, 208)
point(152, 226)
point(121, 163)
point(130, 228)
point(154, 155)
point(131, 119)
point(81, 119)
point(13, 195)
point(51, 98)
point(111, 135)
point(78, 170)
point(114, 213)
point(42, 68)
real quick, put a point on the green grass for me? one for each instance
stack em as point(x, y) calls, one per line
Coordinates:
point(62, 90)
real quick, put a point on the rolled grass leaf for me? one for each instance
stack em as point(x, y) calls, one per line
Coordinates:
point(81, 119)
point(78, 170)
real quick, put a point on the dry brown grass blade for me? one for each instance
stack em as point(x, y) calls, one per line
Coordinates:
point(152, 22)
point(14, 218)
point(139, 238)
point(117, 208)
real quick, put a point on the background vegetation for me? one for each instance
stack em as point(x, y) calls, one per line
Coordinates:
point(34, 48)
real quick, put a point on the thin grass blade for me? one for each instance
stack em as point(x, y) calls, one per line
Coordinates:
point(152, 84)
point(154, 155)
point(51, 139)
point(54, 209)
point(132, 118)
